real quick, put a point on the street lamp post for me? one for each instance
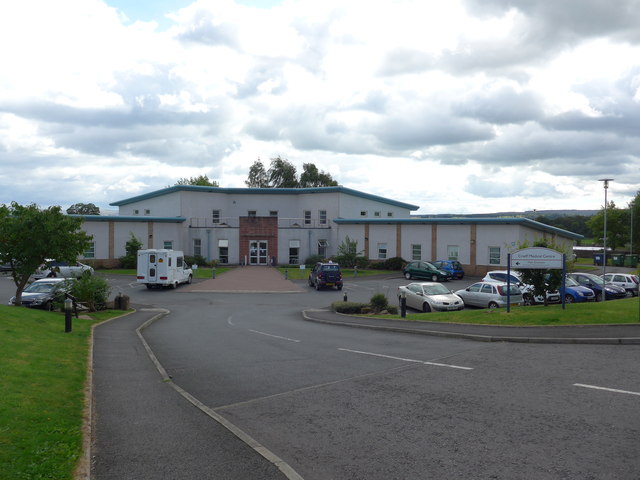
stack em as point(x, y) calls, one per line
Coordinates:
point(604, 255)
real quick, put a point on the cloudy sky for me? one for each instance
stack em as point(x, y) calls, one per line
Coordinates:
point(463, 106)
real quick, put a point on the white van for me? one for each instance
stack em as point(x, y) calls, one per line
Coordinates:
point(160, 267)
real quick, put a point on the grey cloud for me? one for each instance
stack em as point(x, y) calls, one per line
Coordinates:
point(405, 60)
point(493, 187)
point(205, 29)
point(501, 107)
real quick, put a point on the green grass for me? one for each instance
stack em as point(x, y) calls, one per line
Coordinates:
point(609, 312)
point(42, 377)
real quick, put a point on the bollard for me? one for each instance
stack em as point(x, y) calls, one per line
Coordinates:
point(286, 274)
point(345, 297)
point(213, 272)
point(355, 271)
point(67, 315)
point(403, 305)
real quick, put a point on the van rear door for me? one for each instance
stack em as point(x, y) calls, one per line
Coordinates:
point(152, 267)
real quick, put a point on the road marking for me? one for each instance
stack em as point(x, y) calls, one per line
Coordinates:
point(406, 359)
point(230, 322)
point(275, 336)
point(594, 387)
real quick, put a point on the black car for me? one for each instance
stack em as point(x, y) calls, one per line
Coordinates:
point(44, 293)
point(597, 284)
point(326, 275)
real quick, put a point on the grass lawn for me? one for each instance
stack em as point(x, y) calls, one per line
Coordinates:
point(610, 312)
point(42, 373)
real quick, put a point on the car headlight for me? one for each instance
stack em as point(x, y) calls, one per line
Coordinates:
point(37, 301)
point(580, 294)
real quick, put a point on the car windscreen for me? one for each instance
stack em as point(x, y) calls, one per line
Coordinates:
point(435, 290)
point(513, 290)
point(594, 279)
point(40, 288)
point(428, 266)
point(570, 282)
point(332, 268)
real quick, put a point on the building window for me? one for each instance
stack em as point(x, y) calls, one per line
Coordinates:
point(376, 214)
point(147, 211)
point(294, 252)
point(197, 246)
point(273, 213)
point(494, 255)
point(307, 217)
point(416, 252)
point(382, 251)
point(363, 213)
point(389, 214)
point(215, 216)
point(252, 213)
point(453, 252)
point(322, 248)
point(167, 245)
point(223, 250)
point(136, 212)
point(323, 217)
point(90, 252)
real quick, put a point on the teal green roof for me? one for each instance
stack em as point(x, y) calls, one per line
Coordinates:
point(263, 191)
point(462, 221)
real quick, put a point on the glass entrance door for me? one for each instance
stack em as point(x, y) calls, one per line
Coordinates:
point(258, 252)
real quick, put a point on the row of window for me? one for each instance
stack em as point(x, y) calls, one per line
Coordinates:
point(365, 213)
point(453, 252)
point(322, 216)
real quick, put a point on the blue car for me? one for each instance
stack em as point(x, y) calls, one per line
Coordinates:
point(597, 284)
point(451, 266)
point(574, 292)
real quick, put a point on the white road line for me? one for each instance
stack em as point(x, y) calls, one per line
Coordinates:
point(594, 387)
point(275, 336)
point(230, 322)
point(406, 359)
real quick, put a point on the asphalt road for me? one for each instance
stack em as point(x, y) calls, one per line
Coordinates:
point(343, 403)
point(346, 403)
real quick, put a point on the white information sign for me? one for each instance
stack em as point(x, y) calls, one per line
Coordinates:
point(536, 257)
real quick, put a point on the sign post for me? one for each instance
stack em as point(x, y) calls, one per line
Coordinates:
point(537, 258)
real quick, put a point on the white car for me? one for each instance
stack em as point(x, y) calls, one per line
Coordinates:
point(624, 280)
point(430, 296)
point(53, 269)
point(490, 295)
point(501, 276)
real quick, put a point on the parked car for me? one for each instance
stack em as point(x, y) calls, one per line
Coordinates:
point(430, 296)
point(596, 284)
point(45, 293)
point(527, 290)
point(419, 269)
point(626, 281)
point(6, 268)
point(326, 275)
point(490, 295)
point(574, 292)
point(54, 269)
point(452, 266)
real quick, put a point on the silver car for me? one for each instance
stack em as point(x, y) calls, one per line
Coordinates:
point(490, 295)
point(53, 269)
point(430, 296)
point(624, 280)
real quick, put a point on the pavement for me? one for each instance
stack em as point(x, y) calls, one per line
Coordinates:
point(247, 280)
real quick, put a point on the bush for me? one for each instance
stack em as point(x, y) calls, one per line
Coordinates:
point(348, 307)
point(91, 290)
point(379, 302)
point(196, 260)
point(362, 263)
point(313, 259)
point(394, 263)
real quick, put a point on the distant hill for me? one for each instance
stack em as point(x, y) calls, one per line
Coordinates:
point(527, 214)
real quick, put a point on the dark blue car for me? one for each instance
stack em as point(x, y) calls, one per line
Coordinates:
point(451, 266)
point(596, 284)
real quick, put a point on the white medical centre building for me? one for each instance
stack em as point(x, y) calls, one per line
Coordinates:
point(276, 226)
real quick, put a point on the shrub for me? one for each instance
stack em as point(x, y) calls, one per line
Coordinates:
point(348, 307)
point(394, 263)
point(362, 263)
point(312, 260)
point(379, 302)
point(196, 260)
point(131, 247)
point(93, 291)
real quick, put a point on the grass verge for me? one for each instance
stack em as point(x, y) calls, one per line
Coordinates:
point(610, 312)
point(43, 373)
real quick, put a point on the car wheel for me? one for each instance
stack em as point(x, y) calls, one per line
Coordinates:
point(48, 306)
point(310, 282)
point(149, 287)
point(174, 285)
point(407, 275)
point(568, 298)
point(599, 297)
point(426, 308)
point(190, 279)
point(317, 286)
point(493, 305)
point(528, 300)
point(434, 278)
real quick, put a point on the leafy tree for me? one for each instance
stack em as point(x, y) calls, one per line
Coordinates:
point(83, 209)
point(258, 177)
point(617, 225)
point(543, 280)
point(312, 177)
point(29, 235)
point(282, 174)
point(131, 248)
point(201, 180)
point(572, 223)
point(91, 290)
point(348, 252)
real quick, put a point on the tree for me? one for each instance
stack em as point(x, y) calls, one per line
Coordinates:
point(282, 174)
point(312, 177)
point(257, 176)
point(634, 212)
point(617, 225)
point(131, 248)
point(29, 236)
point(83, 209)
point(201, 180)
point(348, 252)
